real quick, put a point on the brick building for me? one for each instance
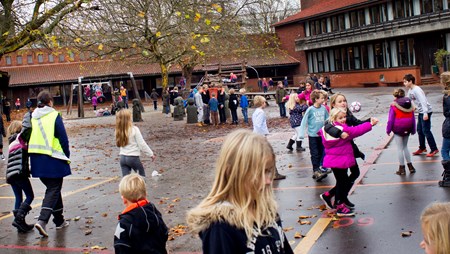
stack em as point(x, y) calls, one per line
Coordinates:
point(361, 43)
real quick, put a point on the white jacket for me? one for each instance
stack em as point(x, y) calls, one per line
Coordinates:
point(136, 144)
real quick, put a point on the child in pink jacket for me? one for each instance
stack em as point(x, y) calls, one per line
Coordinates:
point(339, 155)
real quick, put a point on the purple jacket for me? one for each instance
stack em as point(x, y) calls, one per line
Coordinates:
point(339, 152)
point(401, 118)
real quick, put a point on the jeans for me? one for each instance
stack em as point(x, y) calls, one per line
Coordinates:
point(265, 89)
point(127, 163)
point(167, 109)
point(52, 203)
point(445, 149)
point(125, 100)
point(22, 185)
point(402, 149)
point(316, 150)
point(234, 116)
point(424, 131)
point(245, 114)
point(282, 109)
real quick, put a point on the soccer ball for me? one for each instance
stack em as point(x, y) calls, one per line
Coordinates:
point(355, 106)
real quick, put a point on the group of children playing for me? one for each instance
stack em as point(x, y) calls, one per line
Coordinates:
point(240, 211)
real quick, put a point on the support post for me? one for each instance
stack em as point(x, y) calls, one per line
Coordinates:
point(80, 99)
point(136, 92)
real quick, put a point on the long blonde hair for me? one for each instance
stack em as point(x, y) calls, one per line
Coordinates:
point(123, 126)
point(334, 114)
point(291, 102)
point(239, 182)
point(435, 222)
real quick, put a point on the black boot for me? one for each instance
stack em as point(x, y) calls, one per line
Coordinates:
point(445, 175)
point(278, 176)
point(19, 220)
point(299, 146)
point(289, 146)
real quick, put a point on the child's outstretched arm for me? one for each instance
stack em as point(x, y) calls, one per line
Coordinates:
point(143, 145)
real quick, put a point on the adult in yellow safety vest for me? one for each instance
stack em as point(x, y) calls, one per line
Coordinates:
point(49, 159)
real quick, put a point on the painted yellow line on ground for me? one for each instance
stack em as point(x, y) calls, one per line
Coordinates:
point(66, 194)
point(3, 185)
point(311, 237)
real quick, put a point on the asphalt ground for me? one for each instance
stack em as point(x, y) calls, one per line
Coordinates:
point(386, 204)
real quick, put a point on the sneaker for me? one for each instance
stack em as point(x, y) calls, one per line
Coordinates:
point(420, 151)
point(326, 198)
point(326, 170)
point(348, 203)
point(3, 157)
point(433, 153)
point(63, 225)
point(344, 211)
point(318, 176)
point(40, 226)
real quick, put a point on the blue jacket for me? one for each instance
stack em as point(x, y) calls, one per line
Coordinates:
point(46, 166)
point(244, 101)
point(213, 104)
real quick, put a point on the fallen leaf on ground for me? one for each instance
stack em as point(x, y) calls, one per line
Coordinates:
point(96, 247)
point(77, 218)
point(407, 233)
point(288, 229)
point(298, 235)
point(88, 232)
point(304, 222)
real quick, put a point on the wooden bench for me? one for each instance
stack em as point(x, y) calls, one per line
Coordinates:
point(393, 83)
point(369, 84)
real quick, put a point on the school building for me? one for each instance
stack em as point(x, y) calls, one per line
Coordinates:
point(367, 43)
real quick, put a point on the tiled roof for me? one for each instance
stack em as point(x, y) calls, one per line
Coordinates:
point(320, 8)
point(69, 72)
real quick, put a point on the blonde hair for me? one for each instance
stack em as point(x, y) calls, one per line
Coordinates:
point(258, 101)
point(334, 98)
point(325, 94)
point(132, 187)
point(240, 181)
point(435, 222)
point(447, 88)
point(291, 102)
point(14, 127)
point(334, 114)
point(123, 126)
point(242, 90)
point(231, 91)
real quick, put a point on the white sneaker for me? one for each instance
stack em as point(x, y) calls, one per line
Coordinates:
point(63, 225)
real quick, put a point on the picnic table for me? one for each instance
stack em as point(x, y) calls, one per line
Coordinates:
point(268, 95)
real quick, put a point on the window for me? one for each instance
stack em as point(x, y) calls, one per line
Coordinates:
point(428, 6)
point(344, 57)
point(82, 57)
point(323, 23)
point(338, 23)
point(337, 60)
point(313, 28)
point(19, 59)
point(341, 22)
point(379, 56)
point(317, 24)
point(402, 53)
point(30, 59)
point(354, 19)
point(61, 58)
point(55, 91)
point(8, 60)
point(378, 14)
point(361, 18)
point(40, 58)
point(357, 58)
point(51, 58)
point(71, 56)
point(320, 61)
point(364, 57)
point(351, 58)
point(411, 52)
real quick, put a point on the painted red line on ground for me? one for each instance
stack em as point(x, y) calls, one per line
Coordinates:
point(64, 249)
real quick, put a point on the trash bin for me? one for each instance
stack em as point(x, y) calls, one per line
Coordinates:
point(435, 69)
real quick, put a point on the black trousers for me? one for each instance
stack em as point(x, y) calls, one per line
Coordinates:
point(316, 150)
point(52, 203)
point(342, 183)
point(222, 114)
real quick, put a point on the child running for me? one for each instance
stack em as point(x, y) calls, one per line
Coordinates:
point(141, 228)
point(314, 118)
point(402, 123)
point(339, 156)
point(17, 175)
point(338, 100)
point(131, 143)
point(297, 107)
point(435, 222)
point(239, 215)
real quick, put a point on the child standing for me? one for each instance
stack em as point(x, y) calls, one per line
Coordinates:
point(402, 122)
point(339, 156)
point(446, 137)
point(280, 94)
point(417, 95)
point(94, 102)
point(154, 96)
point(296, 108)
point(17, 103)
point(244, 104)
point(435, 222)
point(214, 109)
point(17, 175)
point(239, 215)
point(314, 118)
point(259, 117)
point(233, 103)
point(131, 143)
point(141, 228)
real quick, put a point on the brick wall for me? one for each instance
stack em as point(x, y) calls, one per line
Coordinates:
point(287, 35)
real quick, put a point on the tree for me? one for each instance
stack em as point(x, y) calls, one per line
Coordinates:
point(23, 22)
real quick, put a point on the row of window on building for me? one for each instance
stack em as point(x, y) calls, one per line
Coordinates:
point(376, 14)
point(39, 57)
point(382, 54)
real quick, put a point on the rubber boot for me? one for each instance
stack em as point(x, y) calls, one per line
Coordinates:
point(411, 168)
point(278, 176)
point(401, 170)
point(289, 146)
point(299, 146)
point(19, 220)
point(445, 175)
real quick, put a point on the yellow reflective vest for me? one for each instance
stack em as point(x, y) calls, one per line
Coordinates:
point(42, 139)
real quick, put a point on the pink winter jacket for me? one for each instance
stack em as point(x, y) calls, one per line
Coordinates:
point(339, 152)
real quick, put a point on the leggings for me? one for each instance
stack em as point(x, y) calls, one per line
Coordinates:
point(127, 163)
point(402, 149)
point(296, 135)
point(22, 185)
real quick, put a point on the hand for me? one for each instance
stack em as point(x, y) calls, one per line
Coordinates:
point(425, 117)
point(153, 158)
point(344, 135)
point(373, 121)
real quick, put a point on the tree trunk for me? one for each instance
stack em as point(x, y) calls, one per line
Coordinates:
point(187, 73)
point(136, 92)
point(164, 75)
point(80, 99)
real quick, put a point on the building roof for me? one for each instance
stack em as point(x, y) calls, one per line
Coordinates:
point(69, 72)
point(321, 7)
